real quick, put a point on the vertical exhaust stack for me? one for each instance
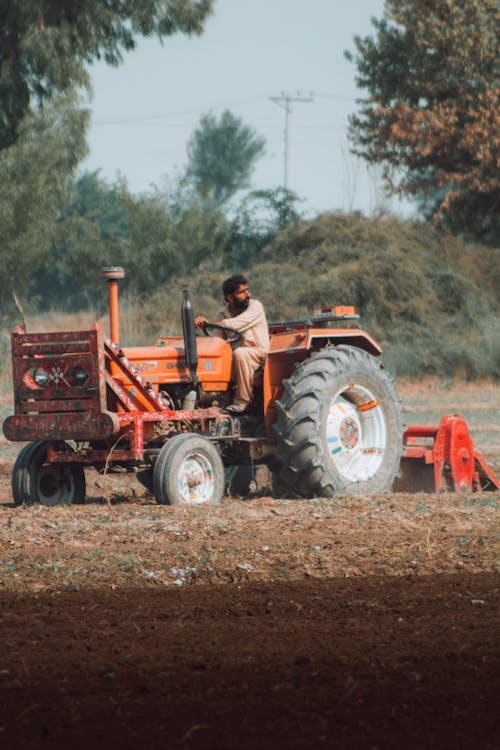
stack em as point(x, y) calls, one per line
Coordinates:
point(189, 332)
point(112, 275)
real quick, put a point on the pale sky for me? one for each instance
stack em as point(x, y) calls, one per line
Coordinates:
point(145, 110)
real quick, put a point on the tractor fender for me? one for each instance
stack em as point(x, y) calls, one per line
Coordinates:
point(289, 348)
point(317, 338)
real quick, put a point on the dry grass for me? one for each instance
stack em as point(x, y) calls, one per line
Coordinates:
point(144, 545)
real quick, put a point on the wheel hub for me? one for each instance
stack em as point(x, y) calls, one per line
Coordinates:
point(55, 486)
point(356, 433)
point(349, 433)
point(196, 479)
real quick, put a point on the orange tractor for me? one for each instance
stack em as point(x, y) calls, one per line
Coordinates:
point(325, 419)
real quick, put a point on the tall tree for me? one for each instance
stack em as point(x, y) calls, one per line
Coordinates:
point(154, 237)
point(33, 190)
point(170, 234)
point(45, 45)
point(432, 118)
point(222, 155)
point(89, 233)
point(261, 215)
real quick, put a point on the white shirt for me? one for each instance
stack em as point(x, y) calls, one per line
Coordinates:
point(251, 323)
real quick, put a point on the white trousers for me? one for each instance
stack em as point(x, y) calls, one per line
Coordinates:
point(246, 360)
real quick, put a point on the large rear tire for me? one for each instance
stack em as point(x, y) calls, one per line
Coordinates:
point(36, 482)
point(339, 426)
point(188, 471)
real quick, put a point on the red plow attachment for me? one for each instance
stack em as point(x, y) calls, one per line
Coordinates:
point(443, 459)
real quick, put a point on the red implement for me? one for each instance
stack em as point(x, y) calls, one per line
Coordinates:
point(444, 459)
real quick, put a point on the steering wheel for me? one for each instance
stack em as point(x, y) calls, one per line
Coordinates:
point(232, 335)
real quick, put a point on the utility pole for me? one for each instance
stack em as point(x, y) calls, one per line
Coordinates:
point(285, 100)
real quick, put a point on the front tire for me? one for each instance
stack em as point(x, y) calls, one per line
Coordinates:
point(188, 471)
point(36, 482)
point(339, 426)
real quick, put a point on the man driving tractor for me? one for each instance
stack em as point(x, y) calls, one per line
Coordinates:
point(247, 316)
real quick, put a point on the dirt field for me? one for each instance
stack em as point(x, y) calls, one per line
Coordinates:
point(348, 623)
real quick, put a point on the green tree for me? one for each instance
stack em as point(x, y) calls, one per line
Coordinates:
point(261, 215)
point(154, 237)
point(168, 234)
point(45, 45)
point(33, 190)
point(432, 118)
point(222, 154)
point(90, 233)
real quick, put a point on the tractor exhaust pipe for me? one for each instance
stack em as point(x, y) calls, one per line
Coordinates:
point(189, 333)
point(112, 275)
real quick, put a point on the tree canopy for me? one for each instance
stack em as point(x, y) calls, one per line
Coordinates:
point(155, 237)
point(260, 216)
point(432, 118)
point(222, 154)
point(45, 45)
point(33, 189)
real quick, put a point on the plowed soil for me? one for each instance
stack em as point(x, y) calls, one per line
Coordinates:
point(404, 662)
point(262, 623)
point(350, 623)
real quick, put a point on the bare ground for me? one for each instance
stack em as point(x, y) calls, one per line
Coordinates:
point(370, 662)
point(349, 623)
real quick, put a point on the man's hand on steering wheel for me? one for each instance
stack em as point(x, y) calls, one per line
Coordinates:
point(231, 334)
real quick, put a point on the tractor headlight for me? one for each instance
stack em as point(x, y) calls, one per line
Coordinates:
point(41, 377)
point(80, 375)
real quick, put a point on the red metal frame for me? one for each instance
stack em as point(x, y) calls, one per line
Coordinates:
point(62, 410)
point(457, 466)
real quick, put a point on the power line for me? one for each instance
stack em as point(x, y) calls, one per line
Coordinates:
point(285, 100)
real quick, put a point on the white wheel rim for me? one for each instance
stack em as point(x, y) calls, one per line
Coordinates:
point(55, 486)
point(196, 480)
point(356, 433)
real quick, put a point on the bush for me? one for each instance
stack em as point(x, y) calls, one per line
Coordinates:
point(430, 300)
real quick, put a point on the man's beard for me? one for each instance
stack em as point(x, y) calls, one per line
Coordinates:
point(241, 305)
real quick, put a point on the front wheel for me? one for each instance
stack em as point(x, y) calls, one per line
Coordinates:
point(339, 426)
point(188, 471)
point(35, 481)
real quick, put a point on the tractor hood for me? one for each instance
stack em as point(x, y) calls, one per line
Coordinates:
point(165, 362)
